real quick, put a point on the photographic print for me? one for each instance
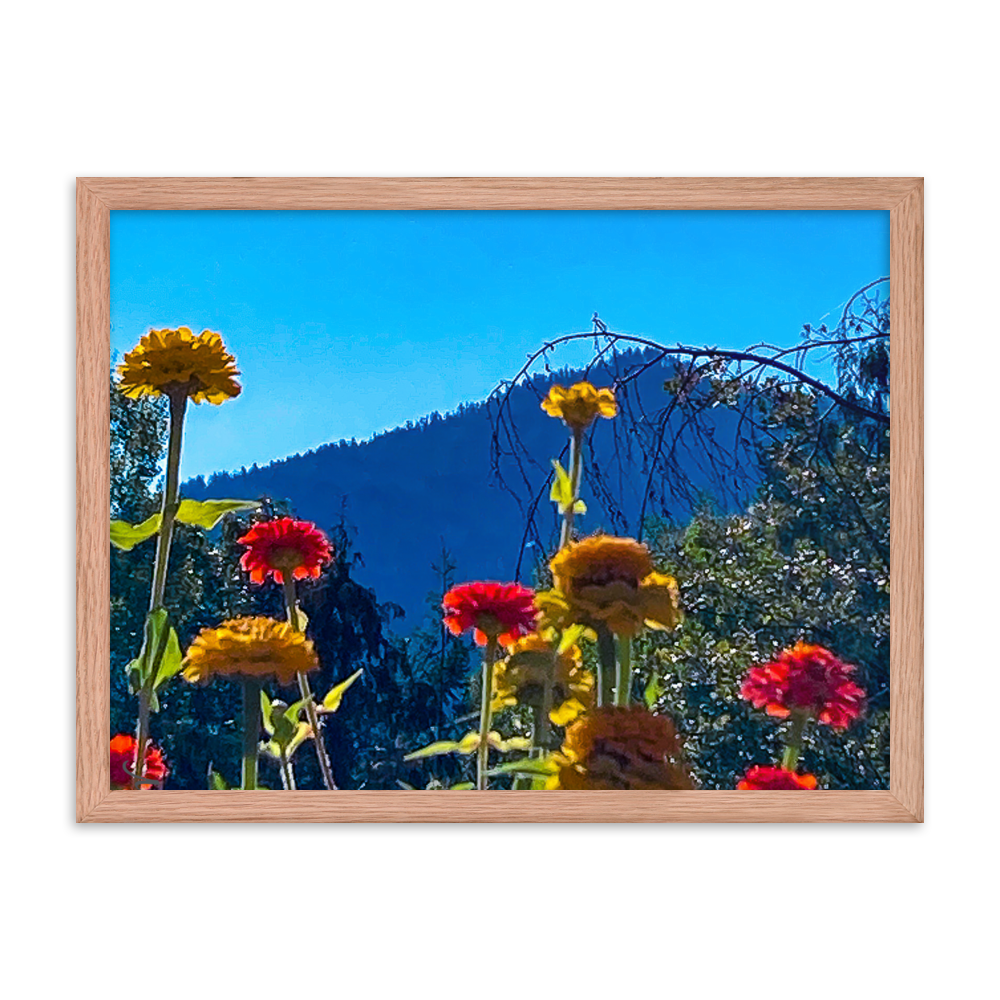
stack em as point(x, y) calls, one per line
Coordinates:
point(500, 500)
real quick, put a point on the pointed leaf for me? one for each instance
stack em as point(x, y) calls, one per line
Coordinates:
point(561, 493)
point(433, 750)
point(303, 733)
point(571, 636)
point(126, 536)
point(579, 507)
point(302, 617)
point(208, 513)
point(651, 695)
point(265, 712)
point(334, 696)
point(469, 743)
point(528, 765)
point(217, 782)
point(170, 661)
point(155, 635)
point(505, 746)
point(462, 786)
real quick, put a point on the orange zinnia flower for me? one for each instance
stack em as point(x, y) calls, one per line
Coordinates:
point(123, 762)
point(502, 611)
point(766, 779)
point(178, 361)
point(806, 679)
point(533, 662)
point(284, 546)
point(621, 748)
point(250, 647)
point(580, 405)
point(607, 580)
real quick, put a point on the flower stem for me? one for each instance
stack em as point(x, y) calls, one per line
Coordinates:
point(168, 512)
point(575, 463)
point(605, 665)
point(623, 676)
point(251, 731)
point(485, 714)
point(312, 715)
point(287, 777)
point(793, 742)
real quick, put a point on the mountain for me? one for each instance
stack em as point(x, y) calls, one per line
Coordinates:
point(410, 490)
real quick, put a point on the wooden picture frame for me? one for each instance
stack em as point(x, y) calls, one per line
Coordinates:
point(97, 197)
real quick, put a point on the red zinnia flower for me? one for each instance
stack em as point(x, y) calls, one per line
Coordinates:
point(123, 762)
point(773, 779)
point(504, 611)
point(284, 546)
point(806, 679)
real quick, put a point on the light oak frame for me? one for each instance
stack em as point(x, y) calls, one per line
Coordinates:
point(97, 196)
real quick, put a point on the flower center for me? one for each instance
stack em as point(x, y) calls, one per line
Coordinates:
point(286, 558)
point(603, 574)
point(489, 624)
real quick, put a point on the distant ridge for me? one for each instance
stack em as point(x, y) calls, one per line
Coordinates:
point(406, 490)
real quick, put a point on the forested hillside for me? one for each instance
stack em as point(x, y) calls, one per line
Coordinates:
point(404, 493)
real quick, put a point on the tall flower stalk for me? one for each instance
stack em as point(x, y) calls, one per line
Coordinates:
point(250, 651)
point(498, 615)
point(291, 606)
point(575, 467)
point(179, 365)
point(485, 713)
point(287, 550)
point(251, 732)
point(178, 397)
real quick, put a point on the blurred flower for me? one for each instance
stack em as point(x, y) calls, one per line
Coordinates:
point(284, 546)
point(532, 662)
point(165, 360)
point(621, 748)
point(806, 679)
point(775, 779)
point(610, 581)
point(580, 405)
point(250, 647)
point(502, 611)
point(123, 762)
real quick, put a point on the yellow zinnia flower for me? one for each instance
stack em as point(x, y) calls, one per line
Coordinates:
point(165, 361)
point(532, 662)
point(609, 581)
point(621, 748)
point(580, 405)
point(250, 647)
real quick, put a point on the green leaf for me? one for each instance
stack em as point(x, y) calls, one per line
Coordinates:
point(126, 536)
point(579, 507)
point(208, 513)
point(651, 695)
point(469, 743)
point(154, 641)
point(561, 493)
point(528, 765)
point(302, 733)
point(265, 712)
point(462, 786)
point(571, 636)
point(433, 750)
point(216, 782)
point(335, 695)
point(302, 617)
point(170, 662)
point(133, 671)
point(505, 746)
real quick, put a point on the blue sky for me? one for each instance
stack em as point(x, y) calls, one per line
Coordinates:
point(348, 323)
